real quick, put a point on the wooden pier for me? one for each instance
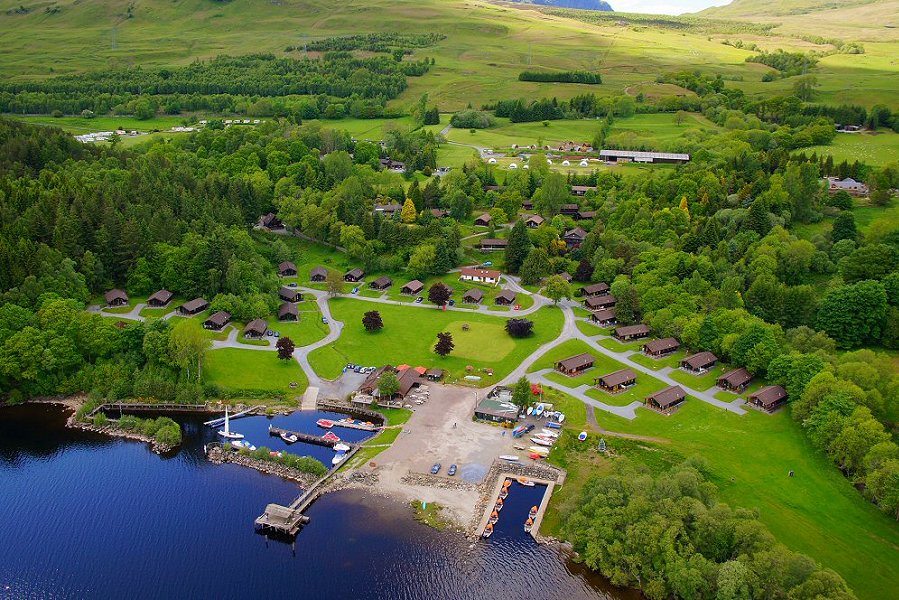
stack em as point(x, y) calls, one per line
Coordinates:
point(221, 420)
point(354, 425)
point(306, 437)
point(287, 520)
point(129, 407)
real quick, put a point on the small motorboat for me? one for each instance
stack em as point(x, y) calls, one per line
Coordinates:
point(533, 513)
point(541, 441)
point(488, 531)
point(226, 432)
point(539, 410)
point(525, 481)
point(544, 452)
point(552, 425)
point(528, 525)
point(341, 448)
point(507, 483)
point(499, 505)
point(582, 436)
point(338, 458)
point(325, 423)
point(508, 457)
point(494, 517)
point(290, 438)
point(242, 445)
point(504, 493)
point(331, 437)
point(530, 410)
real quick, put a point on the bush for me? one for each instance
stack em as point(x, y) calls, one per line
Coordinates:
point(169, 435)
point(101, 420)
point(471, 119)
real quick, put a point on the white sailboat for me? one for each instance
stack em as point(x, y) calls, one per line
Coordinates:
point(226, 432)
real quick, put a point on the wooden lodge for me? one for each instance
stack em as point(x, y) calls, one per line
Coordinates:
point(413, 288)
point(665, 401)
point(193, 307)
point(483, 220)
point(270, 221)
point(699, 363)
point(289, 294)
point(581, 190)
point(434, 374)
point(287, 269)
point(492, 244)
point(660, 348)
point(288, 312)
point(596, 289)
point(160, 299)
point(574, 237)
point(569, 210)
point(617, 381)
point(218, 320)
point(473, 296)
point(736, 381)
point(354, 275)
point(115, 298)
point(600, 302)
point(626, 333)
point(318, 274)
point(505, 298)
point(575, 365)
point(534, 221)
point(439, 213)
point(583, 215)
point(381, 283)
point(256, 328)
point(769, 398)
point(604, 317)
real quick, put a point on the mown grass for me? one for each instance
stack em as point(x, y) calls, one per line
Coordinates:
point(409, 336)
point(236, 369)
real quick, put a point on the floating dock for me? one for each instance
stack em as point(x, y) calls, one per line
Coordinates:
point(307, 437)
point(221, 420)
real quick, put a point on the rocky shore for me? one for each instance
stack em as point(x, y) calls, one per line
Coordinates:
point(113, 431)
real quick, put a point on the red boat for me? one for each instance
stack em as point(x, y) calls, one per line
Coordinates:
point(331, 437)
point(325, 423)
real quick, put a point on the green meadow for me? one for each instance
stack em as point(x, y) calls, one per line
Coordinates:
point(236, 370)
point(874, 148)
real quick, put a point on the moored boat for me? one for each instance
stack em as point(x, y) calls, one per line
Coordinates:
point(338, 458)
point(504, 493)
point(499, 505)
point(341, 448)
point(289, 438)
point(226, 432)
point(507, 483)
point(325, 423)
point(528, 525)
point(533, 513)
point(488, 531)
point(331, 437)
point(494, 517)
point(525, 481)
point(242, 444)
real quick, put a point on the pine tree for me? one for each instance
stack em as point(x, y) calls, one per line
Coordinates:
point(518, 248)
point(535, 266)
point(416, 196)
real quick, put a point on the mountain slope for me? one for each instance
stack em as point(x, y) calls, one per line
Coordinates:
point(579, 4)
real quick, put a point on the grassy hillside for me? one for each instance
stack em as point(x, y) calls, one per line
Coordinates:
point(487, 45)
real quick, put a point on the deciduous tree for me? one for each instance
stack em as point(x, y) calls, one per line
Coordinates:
point(285, 348)
point(371, 320)
point(444, 343)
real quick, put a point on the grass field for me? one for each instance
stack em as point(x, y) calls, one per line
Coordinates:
point(876, 149)
point(817, 512)
point(235, 369)
point(409, 336)
point(78, 125)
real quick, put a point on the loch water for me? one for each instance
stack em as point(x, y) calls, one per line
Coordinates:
point(84, 516)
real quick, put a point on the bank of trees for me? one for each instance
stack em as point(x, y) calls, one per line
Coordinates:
point(670, 536)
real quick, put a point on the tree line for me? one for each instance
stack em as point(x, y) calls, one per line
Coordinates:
point(586, 77)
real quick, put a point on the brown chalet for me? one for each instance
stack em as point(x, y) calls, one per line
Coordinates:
point(381, 283)
point(583, 215)
point(287, 269)
point(483, 220)
point(769, 398)
point(160, 299)
point(527, 205)
point(534, 221)
point(197, 305)
point(270, 221)
point(255, 329)
point(581, 190)
point(439, 213)
point(631, 332)
point(289, 294)
point(569, 210)
point(576, 364)
point(492, 244)
point(288, 312)
point(699, 363)
point(604, 317)
point(600, 302)
point(662, 347)
point(574, 237)
point(596, 289)
point(408, 378)
point(218, 320)
point(354, 275)
point(665, 401)
point(617, 381)
point(318, 274)
point(736, 380)
point(115, 298)
point(505, 298)
point(413, 288)
point(473, 296)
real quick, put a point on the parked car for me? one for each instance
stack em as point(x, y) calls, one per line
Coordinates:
point(435, 469)
point(452, 470)
point(355, 290)
point(517, 307)
point(325, 320)
point(452, 302)
point(291, 285)
point(419, 300)
point(487, 264)
point(277, 334)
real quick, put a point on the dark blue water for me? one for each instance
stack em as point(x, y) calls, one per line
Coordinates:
point(83, 516)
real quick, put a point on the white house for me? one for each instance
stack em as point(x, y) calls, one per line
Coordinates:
point(478, 275)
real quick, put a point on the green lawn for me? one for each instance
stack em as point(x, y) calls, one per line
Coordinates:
point(79, 125)
point(817, 512)
point(307, 330)
point(874, 148)
point(591, 328)
point(617, 346)
point(699, 382)
point(234, 369)
point(657, 364)
point(409, 336)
